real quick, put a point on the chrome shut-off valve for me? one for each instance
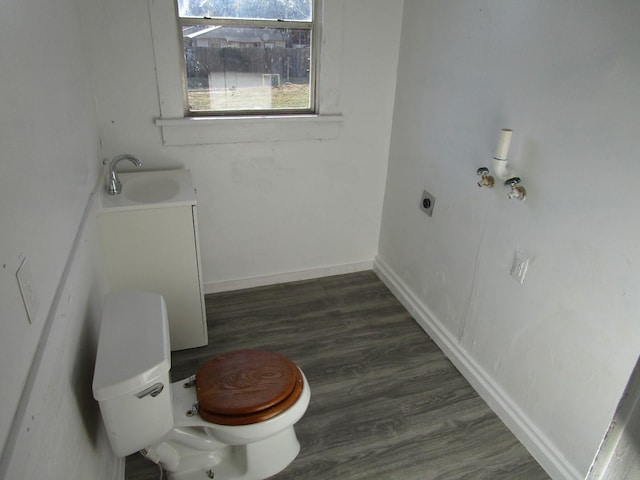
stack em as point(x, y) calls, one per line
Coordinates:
point(486, 180)
point(517, 191)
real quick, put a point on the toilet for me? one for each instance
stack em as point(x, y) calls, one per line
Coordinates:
point(233, 419)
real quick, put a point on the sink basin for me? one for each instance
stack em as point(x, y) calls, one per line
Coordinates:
point(151, 189)
point(162, 188)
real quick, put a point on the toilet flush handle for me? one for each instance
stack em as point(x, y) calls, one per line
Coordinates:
point(153, 390)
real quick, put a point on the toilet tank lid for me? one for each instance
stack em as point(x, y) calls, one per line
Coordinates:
point(133, 349)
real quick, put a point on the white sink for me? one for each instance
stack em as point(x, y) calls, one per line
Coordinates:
point(162, 188)
point(151, 189)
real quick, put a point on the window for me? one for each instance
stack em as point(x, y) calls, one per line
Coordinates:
point(248, 56)
point(323, 119)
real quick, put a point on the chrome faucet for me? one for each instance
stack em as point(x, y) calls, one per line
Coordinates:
point(114, 187)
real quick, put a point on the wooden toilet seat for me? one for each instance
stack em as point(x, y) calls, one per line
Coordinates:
point(247, 386)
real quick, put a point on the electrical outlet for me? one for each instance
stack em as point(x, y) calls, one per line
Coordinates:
point(519, 266)
point(29, 297)
point(427, 202)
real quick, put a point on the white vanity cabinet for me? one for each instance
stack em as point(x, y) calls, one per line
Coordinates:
point(153, 247)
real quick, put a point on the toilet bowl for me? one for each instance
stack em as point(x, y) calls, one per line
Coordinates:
point(233, 419)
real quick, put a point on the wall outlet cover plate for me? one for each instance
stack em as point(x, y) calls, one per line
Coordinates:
point(519, 267)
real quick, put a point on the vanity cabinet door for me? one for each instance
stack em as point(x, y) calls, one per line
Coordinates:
point(155, 250)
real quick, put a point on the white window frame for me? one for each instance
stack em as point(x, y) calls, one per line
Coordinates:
point(178, 128)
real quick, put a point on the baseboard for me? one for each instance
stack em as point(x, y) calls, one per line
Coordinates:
point(240, 284)
point(120, 470)
point(540, 447)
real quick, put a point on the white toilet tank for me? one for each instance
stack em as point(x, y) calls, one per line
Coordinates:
point(131, 377)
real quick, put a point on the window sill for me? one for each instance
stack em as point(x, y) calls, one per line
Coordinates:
point(216, 130)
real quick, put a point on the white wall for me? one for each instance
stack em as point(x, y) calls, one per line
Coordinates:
point(59, 429)
point(273, 207)
point(265, 208)
point(619, 453)
point(553, 355)
point(49, 423)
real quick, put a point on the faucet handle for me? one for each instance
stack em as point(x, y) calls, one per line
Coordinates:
point(487, 180)
point(512, 182)
point(518, 192)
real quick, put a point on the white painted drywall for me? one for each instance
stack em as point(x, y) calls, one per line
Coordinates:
point(619, 453)
point(60, 434)
point(49, 148)
point(266, 208)
point(273, 207)
point(564, 76)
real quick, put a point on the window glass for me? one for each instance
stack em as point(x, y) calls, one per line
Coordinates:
point(232, 68)
point(255, 9)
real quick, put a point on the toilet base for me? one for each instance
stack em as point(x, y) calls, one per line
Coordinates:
point(253, 461)
point(195, 449)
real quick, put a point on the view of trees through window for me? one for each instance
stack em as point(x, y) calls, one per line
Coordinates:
point(265, 9)
point(251, 61)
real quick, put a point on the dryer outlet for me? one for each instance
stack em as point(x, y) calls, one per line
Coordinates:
point(426, 203)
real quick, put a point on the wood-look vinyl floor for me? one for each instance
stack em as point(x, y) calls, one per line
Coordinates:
point(385, 402)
